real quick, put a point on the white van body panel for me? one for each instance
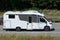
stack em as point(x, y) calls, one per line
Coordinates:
point(23, 24)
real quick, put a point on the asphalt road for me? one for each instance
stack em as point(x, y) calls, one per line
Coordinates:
point(34, 33)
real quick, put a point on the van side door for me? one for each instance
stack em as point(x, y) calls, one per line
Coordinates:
point(42, 23)
point(29, 24)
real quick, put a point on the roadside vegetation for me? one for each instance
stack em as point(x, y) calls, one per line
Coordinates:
point(19, 37)
point(53, 15)
point(1, 13)
point(51, 8)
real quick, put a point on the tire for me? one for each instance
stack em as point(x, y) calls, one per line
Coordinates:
point(7, 30)
point(47, 28)
point(18, 29)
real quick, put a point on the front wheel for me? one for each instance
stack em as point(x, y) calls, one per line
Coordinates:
point(47, 28)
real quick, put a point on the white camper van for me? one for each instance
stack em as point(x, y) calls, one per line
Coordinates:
point(28, 20)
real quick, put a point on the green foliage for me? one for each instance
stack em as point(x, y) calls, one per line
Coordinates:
point(28, 4)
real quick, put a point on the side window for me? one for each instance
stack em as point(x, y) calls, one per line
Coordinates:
point(11, 16)
point(42, 20)
point(23, 17)
point(30, 19)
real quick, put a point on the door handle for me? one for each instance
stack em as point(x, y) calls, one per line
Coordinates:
point(27, 23)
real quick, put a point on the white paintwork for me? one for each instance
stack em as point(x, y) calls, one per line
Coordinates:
point(24, 12)
point(13, 23)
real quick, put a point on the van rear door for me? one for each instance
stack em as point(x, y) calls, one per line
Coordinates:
point(7, 24)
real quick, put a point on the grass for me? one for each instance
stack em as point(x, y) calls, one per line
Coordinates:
point(1, 13)
point(14, 37)
point(51, 13)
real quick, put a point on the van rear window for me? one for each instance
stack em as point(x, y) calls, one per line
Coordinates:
point(11, 16)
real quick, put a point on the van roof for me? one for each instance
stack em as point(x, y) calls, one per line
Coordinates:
point(24, 12)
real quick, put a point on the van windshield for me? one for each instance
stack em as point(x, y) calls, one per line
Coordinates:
point(47, 19)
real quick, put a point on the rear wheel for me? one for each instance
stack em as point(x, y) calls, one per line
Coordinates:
point(47, 28)
point(6, 29)
point(18, 29)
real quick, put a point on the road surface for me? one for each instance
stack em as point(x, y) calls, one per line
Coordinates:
point(34, 33)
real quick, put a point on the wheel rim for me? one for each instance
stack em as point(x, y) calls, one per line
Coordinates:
point(17, 29)
point(47, 29)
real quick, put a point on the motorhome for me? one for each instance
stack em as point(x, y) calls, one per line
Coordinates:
point(28, 20)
